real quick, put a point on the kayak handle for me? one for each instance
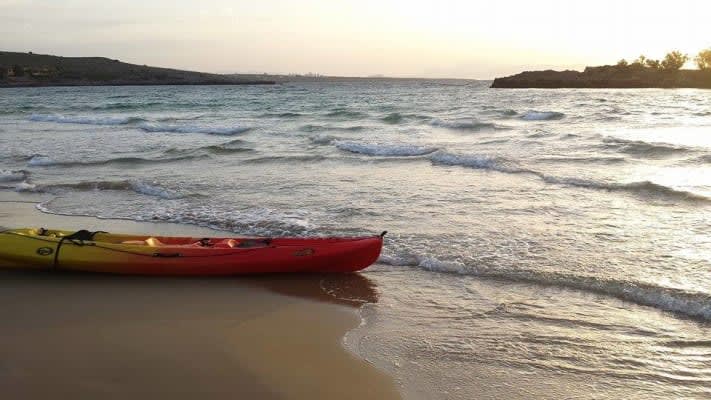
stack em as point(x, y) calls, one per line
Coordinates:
point(383, 234)
point(167, 255)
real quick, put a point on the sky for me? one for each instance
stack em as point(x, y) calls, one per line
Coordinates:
point(438, 39)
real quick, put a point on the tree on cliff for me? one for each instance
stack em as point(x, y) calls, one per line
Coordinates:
point(703, 60)
point(623, 63)
point(639, 63)
point(654, 64)
point(674, 60)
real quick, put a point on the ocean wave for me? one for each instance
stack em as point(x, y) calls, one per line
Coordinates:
point(640, 148)
point(501, 164)
point(645, 188)
point(394, 150)
point(477, 161)
point(693, 304)
point(13, 175)
point(705, 159)
point(542, 115)
point(125, 106)
point(149, 189)
point(285, 159)
point(583, 159)
point(393, 118)
point(322, 128)
point(347, 114)
point(281, 115)
point(463, 124)
point(231, 147)
point(212, 130)
point(396, 118)
point(85, 120)
point(46, 161)
point(322, 139)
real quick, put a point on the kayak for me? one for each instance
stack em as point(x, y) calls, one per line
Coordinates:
point(163, 255)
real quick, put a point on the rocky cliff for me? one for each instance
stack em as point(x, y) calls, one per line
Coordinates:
point(607, 76)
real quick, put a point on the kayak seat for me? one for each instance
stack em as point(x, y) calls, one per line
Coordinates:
point(226, 243)
point(151, 241)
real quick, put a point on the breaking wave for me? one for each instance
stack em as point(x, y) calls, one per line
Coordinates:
point(126, 106)
point(140, 187)
point(85, 120)
point(392, 150)
point(322, 139)
point(140, 123)
point(542, 115)
point(46, 161)
point(285, 159)
point(488, 162)
point(322, 128)
point(646, 188)
point(396, 118)
point(231, 147)
point(212, 130)
point(705, 159)
point(692, 304)
point(583, 159)
point(348, 114)
point(645, 149)
point(281, 115)
point(463, 124)
point(500, 164)
point(13, 176)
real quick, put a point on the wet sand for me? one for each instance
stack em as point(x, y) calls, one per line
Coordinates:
point(68, 335)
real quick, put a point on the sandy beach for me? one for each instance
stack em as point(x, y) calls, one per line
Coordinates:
point(99, 336)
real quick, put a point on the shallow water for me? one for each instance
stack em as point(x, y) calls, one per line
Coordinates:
point(540, 241)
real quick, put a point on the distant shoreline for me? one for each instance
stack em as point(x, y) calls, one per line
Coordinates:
point(156, 83)
point(40, 70)
point(607, 77)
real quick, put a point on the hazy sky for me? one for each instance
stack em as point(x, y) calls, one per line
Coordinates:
point(467, 39)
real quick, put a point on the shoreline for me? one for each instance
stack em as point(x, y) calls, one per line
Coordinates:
point(92, 335)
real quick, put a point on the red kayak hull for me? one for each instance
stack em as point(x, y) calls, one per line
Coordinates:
point(143, 255)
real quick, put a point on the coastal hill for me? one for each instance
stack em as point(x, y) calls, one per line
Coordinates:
point(608, 76)
point(28, 69)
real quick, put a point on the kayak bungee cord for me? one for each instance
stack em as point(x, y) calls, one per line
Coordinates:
point(76, 238)
point(81, 242)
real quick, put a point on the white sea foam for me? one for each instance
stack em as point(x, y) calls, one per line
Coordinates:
point(477, 161)
point(84, 120)
point(213, 130)
point(392, 150)
point(322, 139)
point(154, 190)
point(140, 187)
point(693, 304)
point(12, 176)
point(25, 186)
point(500, 164)
point(542, 115)
point(40, 161)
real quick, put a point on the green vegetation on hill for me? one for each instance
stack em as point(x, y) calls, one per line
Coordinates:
point(641, 73)
point(28, 69)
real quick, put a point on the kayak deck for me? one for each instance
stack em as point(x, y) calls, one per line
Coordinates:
point(166, 255)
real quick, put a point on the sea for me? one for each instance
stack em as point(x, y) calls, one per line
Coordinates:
point(541, 243)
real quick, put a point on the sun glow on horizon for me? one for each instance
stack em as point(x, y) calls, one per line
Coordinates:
point(398, 38)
